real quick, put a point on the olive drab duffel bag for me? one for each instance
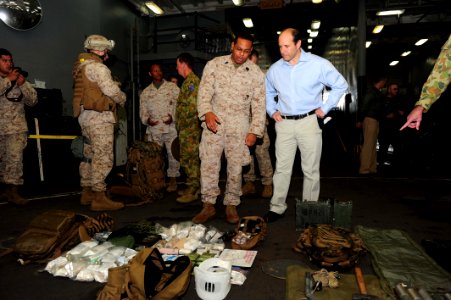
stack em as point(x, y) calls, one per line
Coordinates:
point(148, 276)
point(52, 232)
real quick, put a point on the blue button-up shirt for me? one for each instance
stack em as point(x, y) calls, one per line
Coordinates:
point(299, 87)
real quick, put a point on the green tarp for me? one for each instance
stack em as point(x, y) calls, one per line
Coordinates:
point(397, 258)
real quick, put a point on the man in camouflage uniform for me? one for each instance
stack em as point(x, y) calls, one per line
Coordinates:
point(434, 86)
point(263, 158)
point(188, 128)
point(15, 92)
point(96, 95)
point(157, 111)
point(230, 88)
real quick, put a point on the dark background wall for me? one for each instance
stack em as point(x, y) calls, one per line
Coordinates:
point(48, 51)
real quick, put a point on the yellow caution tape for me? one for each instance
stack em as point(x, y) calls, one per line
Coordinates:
point(52, 137)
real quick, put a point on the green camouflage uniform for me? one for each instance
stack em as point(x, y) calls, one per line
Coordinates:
point(438, 80)
point(13, 128)
point(189, 130)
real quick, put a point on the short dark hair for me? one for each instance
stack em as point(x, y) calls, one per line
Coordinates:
point(186, 58)
point(243, 35)
point(5, 52)
point(296, 35)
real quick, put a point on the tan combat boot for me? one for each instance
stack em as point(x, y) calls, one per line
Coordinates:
point(87, 195)
point(232, 214)
point(13, 196)
point(248, 188)
point(172, 185)
point(189, 195)
point(267, 191)
point(102, 202)
point(207, 212)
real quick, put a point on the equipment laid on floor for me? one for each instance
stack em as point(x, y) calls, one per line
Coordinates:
point(330, 247)
point(325, 211)
point(363, 295)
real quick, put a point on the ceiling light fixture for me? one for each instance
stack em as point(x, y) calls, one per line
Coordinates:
point(378, 28)
point(313, 33)
point(394, 12)
point(406, 53)
point(394, 63)
point(317, 1)
point(238, 2)
point(421, 42)
point(368, 44)
point(154, 7)
point(279, 32)
point(309, 47)
point(309, 41)
point(316, 24)
point(248, 22)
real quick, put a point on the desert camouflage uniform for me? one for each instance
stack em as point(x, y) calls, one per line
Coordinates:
point(189, 130)
point(97, 127)
point(230, 92)
point(439, 78)
point(157, 104)
point(264, 161)
point(13, 129)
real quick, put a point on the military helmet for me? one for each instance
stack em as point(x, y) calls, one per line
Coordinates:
point(98, 42)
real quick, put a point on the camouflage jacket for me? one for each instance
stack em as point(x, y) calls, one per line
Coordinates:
point(97, 72)
point(157, 104)
point(12, 111)
point(232, 92)
point(439, 78)
point(186, 110)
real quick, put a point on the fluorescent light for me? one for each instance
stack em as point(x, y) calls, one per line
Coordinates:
point(248, 22)
point(317, 1)
point(313, 33)
point(378, 28)
point(316, 24)
point(421, 42)
point(394, 12)
point(406, 53)
point(238, 2)
point(368, 44)
point(394, 63)
point(309, 41)
point(155, 8)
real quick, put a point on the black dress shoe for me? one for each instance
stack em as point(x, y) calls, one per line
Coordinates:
point(271, 216)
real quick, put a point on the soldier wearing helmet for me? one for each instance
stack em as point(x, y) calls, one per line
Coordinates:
point(96, 96)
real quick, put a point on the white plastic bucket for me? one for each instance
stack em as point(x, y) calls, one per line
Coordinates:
point(213, 279)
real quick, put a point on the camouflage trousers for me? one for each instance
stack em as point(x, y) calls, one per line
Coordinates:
point(98, 156)
point(210, 151)
point(166, 139)
point(189, 155)
point(11, 158)
point(264, 162)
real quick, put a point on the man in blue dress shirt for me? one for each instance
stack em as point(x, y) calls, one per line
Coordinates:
point(297, 80)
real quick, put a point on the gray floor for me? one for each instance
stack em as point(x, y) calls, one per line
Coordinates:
point(421, 206)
